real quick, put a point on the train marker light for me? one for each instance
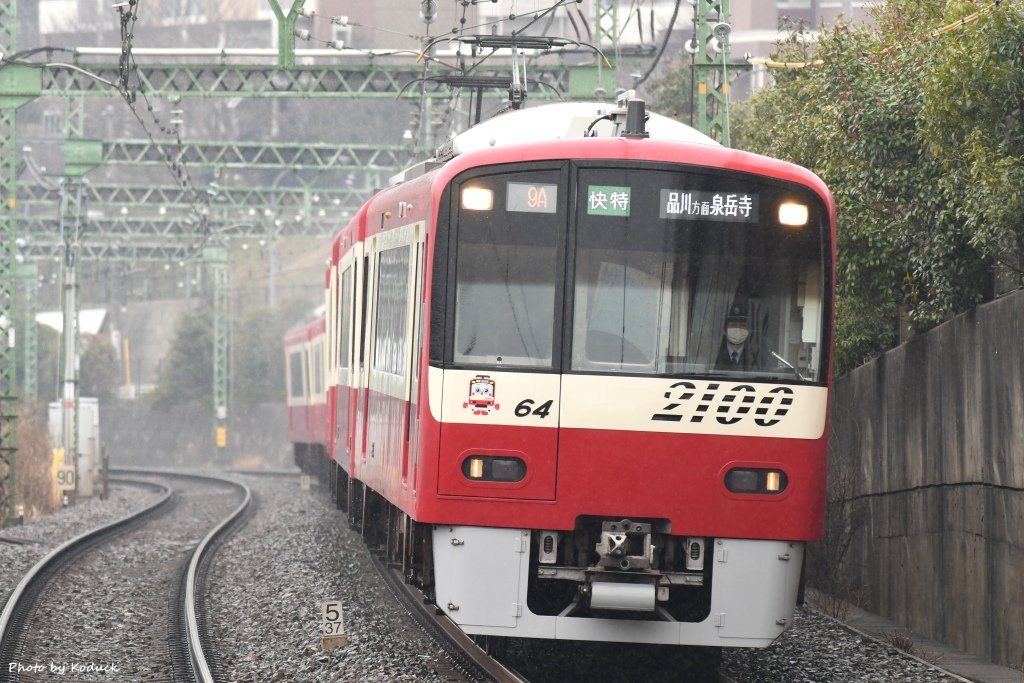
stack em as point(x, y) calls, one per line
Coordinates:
point(477, 198)
point(793, 214)
point(497, 468)
point(751, 480)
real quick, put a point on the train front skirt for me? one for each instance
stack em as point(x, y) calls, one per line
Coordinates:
point(482, 576)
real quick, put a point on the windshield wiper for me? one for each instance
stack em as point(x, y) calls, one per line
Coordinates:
point(790, 366)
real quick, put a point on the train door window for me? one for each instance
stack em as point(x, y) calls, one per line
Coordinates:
point(363, 313)
point(331, 317)
point(345, 305)
point(307, 382)
point(418, 324)
point(508, 265)
point(392, 303)
point(317, 385)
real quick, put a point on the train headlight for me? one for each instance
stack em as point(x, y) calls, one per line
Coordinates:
point(477, 198)
point(756, 480)
point(497, 468)
point(793, 214)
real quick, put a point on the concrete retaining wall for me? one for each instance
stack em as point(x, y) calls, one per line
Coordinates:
point(931, 438)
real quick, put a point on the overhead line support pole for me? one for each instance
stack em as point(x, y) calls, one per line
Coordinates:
point(712, 71)
point(28, 275)
point(286, 32)
point(216, 258)
point(14, 84)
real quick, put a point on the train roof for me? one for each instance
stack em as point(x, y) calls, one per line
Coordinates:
point(562, 121)
point(308, 330)
point(558, 121)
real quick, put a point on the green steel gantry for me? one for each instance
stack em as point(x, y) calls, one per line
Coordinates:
point(285, 211)
point(713, 71)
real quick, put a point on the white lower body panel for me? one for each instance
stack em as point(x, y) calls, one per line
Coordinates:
point(481, 577)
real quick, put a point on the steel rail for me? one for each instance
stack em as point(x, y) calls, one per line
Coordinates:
point(467, 653)
point(196, 635)
point(22, 599)
point(195, 632)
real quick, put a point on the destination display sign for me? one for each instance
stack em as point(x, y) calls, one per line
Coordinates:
point(692, 205)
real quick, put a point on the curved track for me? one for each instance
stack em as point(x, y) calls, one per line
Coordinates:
point(193, 658)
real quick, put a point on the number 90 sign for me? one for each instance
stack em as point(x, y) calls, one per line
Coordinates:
point(66, 478)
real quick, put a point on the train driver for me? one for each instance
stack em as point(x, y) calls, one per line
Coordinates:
point(736, 353)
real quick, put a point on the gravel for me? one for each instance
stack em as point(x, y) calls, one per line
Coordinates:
point(269, 580)
point(296, 551)
point(817, 649)
point(45, 534)
point(110, 608)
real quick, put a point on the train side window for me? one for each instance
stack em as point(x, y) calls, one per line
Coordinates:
point(295, 388)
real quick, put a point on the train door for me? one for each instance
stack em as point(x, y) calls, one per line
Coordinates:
point(307, 387)
point(364, 279)
point(330, 358)
point(411, 451)
point(389, 359)
point(344, 318)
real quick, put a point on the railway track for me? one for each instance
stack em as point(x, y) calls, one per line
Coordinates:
point(468, 655)
point(37, 612)
point(471, 657)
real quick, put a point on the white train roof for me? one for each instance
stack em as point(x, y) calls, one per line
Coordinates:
point(561, 121)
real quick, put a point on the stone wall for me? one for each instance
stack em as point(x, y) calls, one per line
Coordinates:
point(931, 437)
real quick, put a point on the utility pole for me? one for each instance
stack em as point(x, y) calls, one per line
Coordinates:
point(70, 220)
point(80, 156)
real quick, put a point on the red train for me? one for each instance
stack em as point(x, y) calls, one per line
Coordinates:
point(573, 377)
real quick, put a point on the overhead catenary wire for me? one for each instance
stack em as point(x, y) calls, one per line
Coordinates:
point(661, 49)
point(179, 169)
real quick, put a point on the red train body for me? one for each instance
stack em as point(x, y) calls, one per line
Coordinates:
point(528, 397)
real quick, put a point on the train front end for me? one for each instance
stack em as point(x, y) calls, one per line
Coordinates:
point(629, 370)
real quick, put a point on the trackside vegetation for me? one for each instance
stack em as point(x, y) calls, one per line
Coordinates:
point(915, 123)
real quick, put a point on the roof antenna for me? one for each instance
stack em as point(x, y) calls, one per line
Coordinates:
point(636, 115)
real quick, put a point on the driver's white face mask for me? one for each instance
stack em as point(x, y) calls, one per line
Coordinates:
point(736, 335)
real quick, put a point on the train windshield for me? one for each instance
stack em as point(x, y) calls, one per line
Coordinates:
point(691, 273)
point(509, 264)
point(668, 272)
